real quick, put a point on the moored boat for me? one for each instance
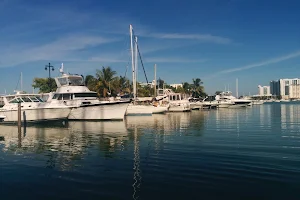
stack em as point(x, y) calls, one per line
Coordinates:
point(33, 109)
point(85, 103)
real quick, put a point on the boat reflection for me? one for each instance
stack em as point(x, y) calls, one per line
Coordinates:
point(168, 123)
point(62, 146)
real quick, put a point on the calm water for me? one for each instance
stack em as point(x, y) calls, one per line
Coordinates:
point(231, 153)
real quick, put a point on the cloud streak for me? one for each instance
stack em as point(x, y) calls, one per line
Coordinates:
point(198, 37)
point(174, 60)
point(264, 63)
point(61, 49)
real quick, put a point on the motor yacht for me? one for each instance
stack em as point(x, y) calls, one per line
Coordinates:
point(176, 101)
point(85, 103)
point(236, 103)
point(33, 109)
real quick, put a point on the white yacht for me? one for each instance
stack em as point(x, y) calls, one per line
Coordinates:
point(195, 103)
point(257, 102)
point(223, 102)
point(85, 103)
point(237, 103)
point(33, 109)
point(176, 101)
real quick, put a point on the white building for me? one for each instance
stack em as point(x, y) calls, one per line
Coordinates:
point(294, 91)
point(264, 91)
point(176, 85)
point(288, 86)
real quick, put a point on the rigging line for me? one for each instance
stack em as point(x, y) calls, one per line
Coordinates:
point(18, 82)
point(142, 63)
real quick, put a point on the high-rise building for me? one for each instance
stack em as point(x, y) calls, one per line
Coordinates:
point(264, 90)
point(275, 88)
point(285, 87)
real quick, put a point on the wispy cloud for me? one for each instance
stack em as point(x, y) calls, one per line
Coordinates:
point(264, 63)
point(198, 37)
point(173, 60)
point(61, 49)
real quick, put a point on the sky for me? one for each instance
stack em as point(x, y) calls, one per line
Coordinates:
point(219, 41)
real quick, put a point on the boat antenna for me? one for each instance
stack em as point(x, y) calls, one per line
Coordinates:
point(61, 69)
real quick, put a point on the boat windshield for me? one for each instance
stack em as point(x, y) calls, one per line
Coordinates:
point(76, 81)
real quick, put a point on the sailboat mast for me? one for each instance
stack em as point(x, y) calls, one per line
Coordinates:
point(136, 65)
point(237, 88)
point(154, 80)
point(132, 62)
point(21, 81)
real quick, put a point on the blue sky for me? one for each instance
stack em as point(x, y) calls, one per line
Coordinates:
point(218, 41)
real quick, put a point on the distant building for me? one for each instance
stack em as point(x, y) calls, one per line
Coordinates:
point(286, 88)
point(294, 91)
point(176, 85)
point(264, 90)
point(275, 88)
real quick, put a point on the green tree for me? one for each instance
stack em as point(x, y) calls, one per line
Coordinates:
point(44, 85)
point(90, 81)
point(105, 77)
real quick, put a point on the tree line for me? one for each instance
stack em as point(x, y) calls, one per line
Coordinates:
point(106, 83)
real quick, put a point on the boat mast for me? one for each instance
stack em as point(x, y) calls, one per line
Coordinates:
point(21, 81)
point(154, 80)
point(132, 62)
point(237, 88)
point(136, 64)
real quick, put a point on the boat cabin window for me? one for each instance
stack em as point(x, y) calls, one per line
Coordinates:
point(66, 96)
point(34, 99)
point(63, 81)
point(26, 99)
point(38, 98)
point(55, 96)
point(76, 81)
point(16, 100)
point(87, 94)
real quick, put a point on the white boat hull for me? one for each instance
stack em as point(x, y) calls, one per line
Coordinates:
point(104, 111)
point(238, 106)
point(36, 115)
point(195, 106)
point(182, 107)
point(223, 105)
point(159, 109)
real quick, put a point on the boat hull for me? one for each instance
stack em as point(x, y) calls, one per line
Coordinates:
point(238, 106)
point(139, 110)
point(104, 111)
point(180, 107)
point(159, 109)
point(224, 105)
point(36, 115)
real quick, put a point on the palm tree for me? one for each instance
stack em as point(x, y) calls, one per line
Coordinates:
point(197, 88)
point(197, 82)
point(90, 81)
point(105, 78)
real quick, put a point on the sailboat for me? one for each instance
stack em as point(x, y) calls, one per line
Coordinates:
point(135, 108)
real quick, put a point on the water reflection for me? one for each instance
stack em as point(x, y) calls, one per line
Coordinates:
point(62, 146)
point(169, 123)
